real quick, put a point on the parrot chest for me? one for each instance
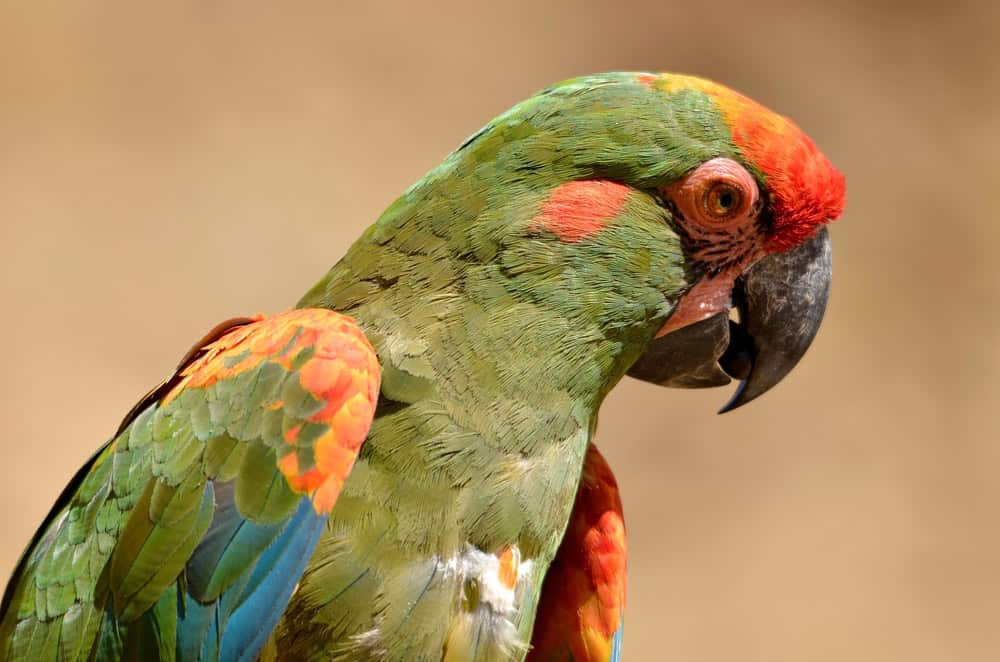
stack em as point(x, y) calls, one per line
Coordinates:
point(445, 528)
point(438, 545)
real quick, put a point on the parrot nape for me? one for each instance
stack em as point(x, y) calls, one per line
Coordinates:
point(402, 467)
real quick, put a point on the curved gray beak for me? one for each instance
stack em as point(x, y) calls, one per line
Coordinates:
point(780, 302)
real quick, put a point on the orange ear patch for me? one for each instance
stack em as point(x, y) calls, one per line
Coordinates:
point(576, 210)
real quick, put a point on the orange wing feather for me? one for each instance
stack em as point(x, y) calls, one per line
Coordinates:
point(583, 597)
point(336, 365)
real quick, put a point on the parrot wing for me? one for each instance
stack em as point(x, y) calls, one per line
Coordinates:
point(185, 536)
point(581, 610)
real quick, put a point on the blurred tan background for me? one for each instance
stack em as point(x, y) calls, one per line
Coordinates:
point(167, 165)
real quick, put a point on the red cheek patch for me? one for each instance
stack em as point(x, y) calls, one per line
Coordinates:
point(576, 210)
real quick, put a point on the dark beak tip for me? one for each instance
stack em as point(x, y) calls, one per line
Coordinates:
point(781, 301)
point(739, 398)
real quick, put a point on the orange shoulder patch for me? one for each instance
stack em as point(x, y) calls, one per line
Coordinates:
point(333, 362)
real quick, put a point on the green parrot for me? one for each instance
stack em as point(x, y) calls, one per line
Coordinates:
point(402, 467)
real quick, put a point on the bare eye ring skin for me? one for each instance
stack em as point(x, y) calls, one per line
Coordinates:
point(718, 194)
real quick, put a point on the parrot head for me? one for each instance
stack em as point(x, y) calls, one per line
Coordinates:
point(617, 219)
point(749, 202)
point(756, 223)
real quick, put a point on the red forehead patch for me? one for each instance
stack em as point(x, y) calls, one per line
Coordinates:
point(576, 210)
point(806, 190)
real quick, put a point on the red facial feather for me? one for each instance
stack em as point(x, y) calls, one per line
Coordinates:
point(576, 210)
point(806, 190)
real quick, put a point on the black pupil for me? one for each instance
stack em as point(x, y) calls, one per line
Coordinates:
point(726, 199)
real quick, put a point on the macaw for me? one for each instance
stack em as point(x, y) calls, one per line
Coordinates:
point(401, 467)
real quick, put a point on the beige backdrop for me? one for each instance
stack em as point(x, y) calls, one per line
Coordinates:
point(165, 165)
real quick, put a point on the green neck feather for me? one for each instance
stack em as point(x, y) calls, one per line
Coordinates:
point(452, 273)
point(499, 341)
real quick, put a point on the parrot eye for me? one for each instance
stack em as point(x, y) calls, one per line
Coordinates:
point(718, 194)
point(721, 200)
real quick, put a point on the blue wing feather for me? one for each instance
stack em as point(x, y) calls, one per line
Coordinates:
point(616, 641)
point(230, 541)
point(271, 585)
point(247, 610)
